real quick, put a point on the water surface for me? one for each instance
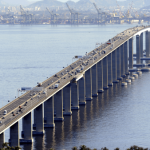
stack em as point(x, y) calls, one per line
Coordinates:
point(119, 117)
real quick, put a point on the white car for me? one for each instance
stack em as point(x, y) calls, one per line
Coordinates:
point(5, 112)
point(44, 92)
point(56, 85)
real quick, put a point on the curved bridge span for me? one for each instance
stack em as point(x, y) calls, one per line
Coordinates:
point(76, 84)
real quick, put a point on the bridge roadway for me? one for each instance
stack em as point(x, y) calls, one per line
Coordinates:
point(64, 78)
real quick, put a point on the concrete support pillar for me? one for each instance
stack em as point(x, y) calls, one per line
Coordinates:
point(122, 61)
point(49, 112)
point(67, 100)
point(131, 54)
point(114, 66)
point(94, 81)
point(141, 46)
point(88, 84)
point(126, 58)
point(58, 100)
point(147, 45)
point(14, 135)
point(119, 63)
point(81, 83)
point(100, 76)
point(138, 53)
point(110, 75)
point(39, 120)
point(105, 73)
point(74, 96)
point(27, 129)
point(2, 139)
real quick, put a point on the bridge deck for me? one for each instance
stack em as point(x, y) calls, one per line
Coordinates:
point(68, 74)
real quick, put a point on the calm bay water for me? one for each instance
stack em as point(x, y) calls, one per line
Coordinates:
point(119, 117)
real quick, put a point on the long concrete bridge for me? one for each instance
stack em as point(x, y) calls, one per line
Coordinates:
point(74, 85)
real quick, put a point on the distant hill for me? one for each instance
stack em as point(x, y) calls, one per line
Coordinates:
point(146, 8)
point(70, 3)
point(2, 3)
point(84, 4)
point(81, 4)
point(17, 2)
point(47, 3)
point(146, 2)
point(88, 4)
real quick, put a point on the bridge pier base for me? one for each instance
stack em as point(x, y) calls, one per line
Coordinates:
point(131, 55)
point(27, 129)
point(141, 46)
point(122, 62)
point(126, 58)
point(14, 135)
point(38, 120)
point(49, 112)
point(114, 66)
point(105, 73)
point(67, 100)
point(81, 83)
point(110, 69)
point(74, 96)
point(94, 81)
point(119, 64)
point(138, 53)
point(58, 98)
point(147, 34)
point(2, 139)
point(100, 76)
point(88, 84)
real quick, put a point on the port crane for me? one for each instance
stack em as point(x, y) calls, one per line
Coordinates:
point(128, 14)
point(27, 18)
point(98, 11)
point(53, 16)
point(120, 13)
point(101, 15)
point(74, 15)
point(11, 17)
point(23, 14)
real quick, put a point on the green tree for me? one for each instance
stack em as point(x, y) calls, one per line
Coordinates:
point(82, 147)
point(104, 148)
point(88, 148)
point(17, 148)
point(9, 148)
point(74, 148)
point(5, 145)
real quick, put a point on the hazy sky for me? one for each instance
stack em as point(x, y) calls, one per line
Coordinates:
point(57, 0)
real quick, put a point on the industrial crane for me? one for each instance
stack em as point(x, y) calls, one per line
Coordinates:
point(26, 16)
point(74, 15)
point(23, 14)
point(120, 13)
point(128, 14)
point(11, 17)
point(98, 11)
point(53, 16)
point(101, 15)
